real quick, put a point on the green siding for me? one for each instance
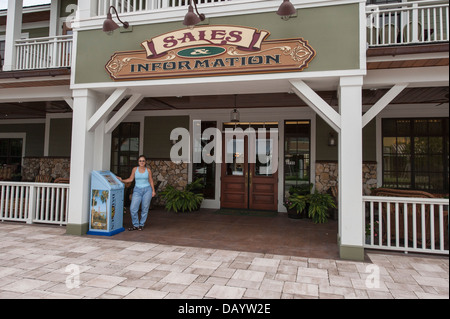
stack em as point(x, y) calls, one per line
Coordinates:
point(60, 137)
point(336, 40)
point(35, 135)
point(157, 131)
point(37, 33)
point(330, 153)
point(63, 9)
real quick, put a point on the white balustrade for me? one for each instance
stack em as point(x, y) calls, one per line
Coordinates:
point(34, 202)
point(44, 53)
point(407, 23)
point(407, 224)
point(127, 6)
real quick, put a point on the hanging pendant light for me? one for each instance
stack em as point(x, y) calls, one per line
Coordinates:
point(191, 19)
point(286, 10)
point(235, 116)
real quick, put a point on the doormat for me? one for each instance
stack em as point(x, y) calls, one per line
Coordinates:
point(246, 212)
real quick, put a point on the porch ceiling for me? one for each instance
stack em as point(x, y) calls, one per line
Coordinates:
point(427, 95)
point(32, 110)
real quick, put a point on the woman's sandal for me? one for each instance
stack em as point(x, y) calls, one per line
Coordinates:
point(132, 228)
point(141, 228)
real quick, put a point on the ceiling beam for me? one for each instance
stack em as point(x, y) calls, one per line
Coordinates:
point(383, 102)
point(106, 108)
point(123, 112)
point(322, 108)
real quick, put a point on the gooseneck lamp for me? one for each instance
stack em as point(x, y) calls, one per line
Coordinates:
point(109, 25)
point(286, 10)
point(191, 19)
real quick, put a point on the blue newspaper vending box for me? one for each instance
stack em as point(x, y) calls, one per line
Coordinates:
point(106, 213)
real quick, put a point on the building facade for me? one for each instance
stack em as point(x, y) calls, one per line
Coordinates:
point(352, 95)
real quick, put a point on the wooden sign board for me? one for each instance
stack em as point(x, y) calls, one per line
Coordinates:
point(210, 51)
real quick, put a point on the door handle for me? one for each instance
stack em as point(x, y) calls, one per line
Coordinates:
point(250, 179)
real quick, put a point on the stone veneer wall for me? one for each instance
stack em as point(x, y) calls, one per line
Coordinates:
point(327, 176)
point(168, 173)
point(54, 166)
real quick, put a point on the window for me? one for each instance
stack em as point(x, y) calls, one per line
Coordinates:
point(296, 153)
point(11, 155)
point(125, 149)
point(415, 154)
point(204, 171)
point(2, 53)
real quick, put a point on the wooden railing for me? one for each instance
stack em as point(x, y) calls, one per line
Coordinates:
point(44, 53)
point(34, 202)
point(407, 23)
point(407, 224)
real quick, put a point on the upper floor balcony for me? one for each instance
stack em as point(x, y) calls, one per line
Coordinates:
point(393, 24)
point(406, 23)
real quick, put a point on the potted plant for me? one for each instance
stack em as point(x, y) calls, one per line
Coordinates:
point(185, 200)
point(302, 189)
point(296, 206)
point(319, 205)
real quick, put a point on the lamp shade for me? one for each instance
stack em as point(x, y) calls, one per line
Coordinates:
point(191, 18)
point(234, 116)
point(286, 9)
point(109, 25)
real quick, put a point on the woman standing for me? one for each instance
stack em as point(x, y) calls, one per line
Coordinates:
point(142, 193)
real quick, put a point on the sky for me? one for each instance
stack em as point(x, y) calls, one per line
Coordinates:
point(26, 3)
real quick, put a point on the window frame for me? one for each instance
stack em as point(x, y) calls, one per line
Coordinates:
point(413, 173)
point(19, 135)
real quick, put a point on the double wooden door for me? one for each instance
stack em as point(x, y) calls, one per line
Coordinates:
point(249, 176)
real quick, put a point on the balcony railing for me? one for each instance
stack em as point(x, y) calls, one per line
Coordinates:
point(44, 53)
point(407, 23)
point(126, 6)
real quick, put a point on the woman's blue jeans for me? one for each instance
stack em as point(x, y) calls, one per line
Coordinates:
point(140, 196)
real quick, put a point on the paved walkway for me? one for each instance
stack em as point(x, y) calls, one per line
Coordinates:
point(42, 262)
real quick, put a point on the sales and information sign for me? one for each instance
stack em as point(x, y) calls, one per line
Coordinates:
point(211, 51)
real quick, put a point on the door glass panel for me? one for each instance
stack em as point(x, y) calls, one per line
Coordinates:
point(134, 144)
point(264, 153)
point(125, 149)
point(235, 156)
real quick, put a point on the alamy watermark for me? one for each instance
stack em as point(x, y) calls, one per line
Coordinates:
point(260, 145)
point(73, 279)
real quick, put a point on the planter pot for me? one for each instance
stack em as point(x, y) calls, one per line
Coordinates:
point(292, 213)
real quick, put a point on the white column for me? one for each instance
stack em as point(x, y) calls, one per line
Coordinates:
point(350, 169)
point(86, 9)
point(85, 104)
point(54, 17)
point(13, 32)
point(102, 148)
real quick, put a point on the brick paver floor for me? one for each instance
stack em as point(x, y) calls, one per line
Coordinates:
point(44, 262)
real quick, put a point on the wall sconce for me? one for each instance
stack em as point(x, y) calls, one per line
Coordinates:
point(109, 25)
point(191, 19)
point(286, 10)
point(331, 139)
